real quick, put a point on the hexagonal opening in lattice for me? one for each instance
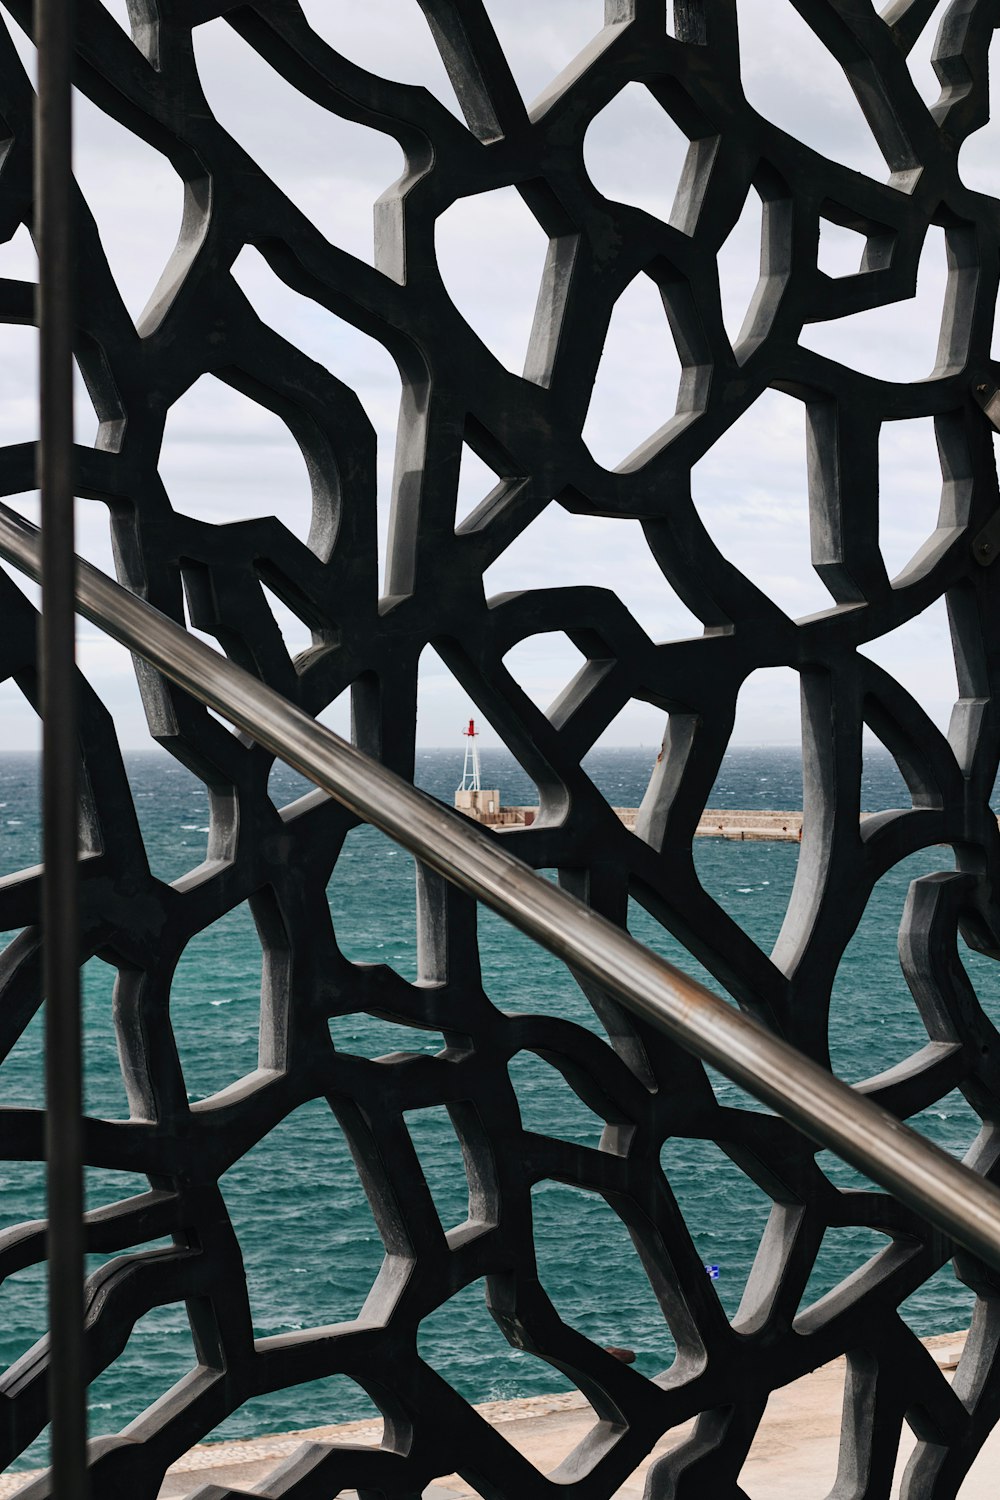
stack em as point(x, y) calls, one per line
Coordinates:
point(439, 1152)
point(751, 493)
point(160, 1340)
point(634, 153)
point(909, 489)
point(547, 1101)
point(544, 665)
point(219, 447)
point(114, 166)
point(320, 1268)
point(373, 902)
point(623, 757)
point(173, 809)
point(637, 381)
point(840, 249)
point(874, 1023)
point(748, 840)
point(491, 253)
point(215, 1003)
point(626, 1319)
point(724, 1209)
point(739, 264)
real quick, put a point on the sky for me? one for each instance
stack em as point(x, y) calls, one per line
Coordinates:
point(225, 458)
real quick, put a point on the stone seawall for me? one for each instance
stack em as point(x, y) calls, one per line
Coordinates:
point(716, 823)
point(727, 823)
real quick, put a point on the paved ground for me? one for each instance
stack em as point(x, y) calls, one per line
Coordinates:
point(794, 1456)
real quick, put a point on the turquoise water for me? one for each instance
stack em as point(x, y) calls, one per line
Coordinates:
point(321, 1266)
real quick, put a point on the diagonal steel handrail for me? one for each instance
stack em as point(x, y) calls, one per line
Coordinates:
point(920, 1174)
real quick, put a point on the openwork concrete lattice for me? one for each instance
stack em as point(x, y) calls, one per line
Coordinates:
point(527, 429)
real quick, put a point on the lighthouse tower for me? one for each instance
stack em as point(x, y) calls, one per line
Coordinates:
point(470, 797)
point(470, 774)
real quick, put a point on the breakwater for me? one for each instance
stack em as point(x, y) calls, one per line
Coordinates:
point(746, 825)
point(715, 823)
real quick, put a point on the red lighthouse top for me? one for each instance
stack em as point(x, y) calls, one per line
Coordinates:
point(472, 730)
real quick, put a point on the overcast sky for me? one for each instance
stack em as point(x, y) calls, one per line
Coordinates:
point(225, 457)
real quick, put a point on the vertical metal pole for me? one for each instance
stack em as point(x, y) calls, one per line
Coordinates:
point(54, 26)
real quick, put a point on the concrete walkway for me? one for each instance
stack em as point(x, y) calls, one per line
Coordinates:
point(794, 1456)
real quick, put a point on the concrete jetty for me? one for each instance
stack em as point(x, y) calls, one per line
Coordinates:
point(716, 822)
point(727, 823)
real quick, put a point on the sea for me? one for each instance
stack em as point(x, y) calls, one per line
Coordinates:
point(310, 1245)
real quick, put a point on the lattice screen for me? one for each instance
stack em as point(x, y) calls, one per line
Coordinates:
point(526, 428)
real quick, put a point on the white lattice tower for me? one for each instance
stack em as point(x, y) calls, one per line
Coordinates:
point(470, 772)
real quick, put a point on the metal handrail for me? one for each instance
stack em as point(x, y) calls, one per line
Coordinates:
point(913, 1169)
